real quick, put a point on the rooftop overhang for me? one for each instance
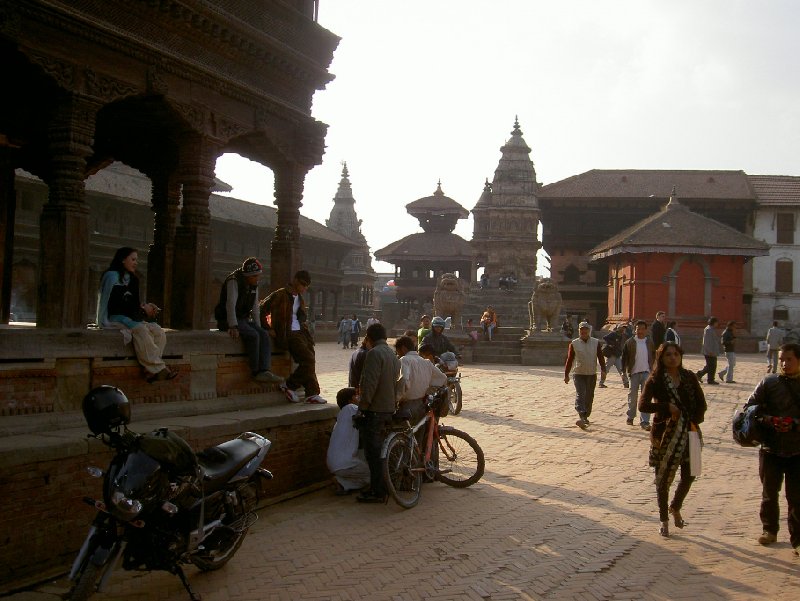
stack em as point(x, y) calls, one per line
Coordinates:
point(676, 250)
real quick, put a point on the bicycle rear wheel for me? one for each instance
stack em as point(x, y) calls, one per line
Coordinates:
point(461, 461)
point(402, 471)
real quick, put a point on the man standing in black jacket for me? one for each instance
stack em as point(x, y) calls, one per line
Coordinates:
point(778, 396)
point(659, 329)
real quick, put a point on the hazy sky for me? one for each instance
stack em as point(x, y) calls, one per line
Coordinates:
point(428, 90)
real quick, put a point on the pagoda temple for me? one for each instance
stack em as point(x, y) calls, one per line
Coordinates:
point(421, 258)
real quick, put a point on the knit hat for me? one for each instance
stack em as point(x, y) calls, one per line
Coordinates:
point(251, 266)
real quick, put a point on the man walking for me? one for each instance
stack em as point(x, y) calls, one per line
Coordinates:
point(637, 360)
point(377, 403)
point(729, 347)
point(612, 351)
point(711, 348)
point(288, 319)
point(585, 353)
point(774, 340)
point(778, 396)
point(659, 329)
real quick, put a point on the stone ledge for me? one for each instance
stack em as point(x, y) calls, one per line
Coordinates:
point(16, 450)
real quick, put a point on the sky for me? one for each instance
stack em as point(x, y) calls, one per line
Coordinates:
point(428, 90)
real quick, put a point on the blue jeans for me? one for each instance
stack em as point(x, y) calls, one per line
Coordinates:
point(611, 360)
point(257, 346)
point(584, 394)
point(727, 373)
point(637, 385)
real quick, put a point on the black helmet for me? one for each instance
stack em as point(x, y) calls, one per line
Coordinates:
point(746, 427)
point(106, 407)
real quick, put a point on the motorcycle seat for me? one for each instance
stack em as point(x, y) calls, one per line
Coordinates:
point(221, 462)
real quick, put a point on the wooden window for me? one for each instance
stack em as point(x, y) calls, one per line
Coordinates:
point(783, 275)
point(780, 314)
point(785, 226)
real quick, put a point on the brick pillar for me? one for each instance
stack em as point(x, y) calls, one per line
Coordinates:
point(191, 265)
point(64, 223)
point(166, 198)
point(8, 205)
point(285, 252)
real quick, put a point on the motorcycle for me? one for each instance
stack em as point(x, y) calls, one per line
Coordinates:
point(448, 363)
point(164, 506)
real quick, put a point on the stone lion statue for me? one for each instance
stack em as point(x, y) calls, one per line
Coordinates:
point(449, 297)
point(544, 306)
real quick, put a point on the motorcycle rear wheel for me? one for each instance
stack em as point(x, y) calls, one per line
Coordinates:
point(229, 537)
point(86, 586)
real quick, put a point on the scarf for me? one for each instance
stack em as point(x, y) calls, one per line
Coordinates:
point(668, 454)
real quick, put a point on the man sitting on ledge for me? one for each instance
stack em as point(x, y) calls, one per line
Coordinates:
point(237, 313)
point(284, 312)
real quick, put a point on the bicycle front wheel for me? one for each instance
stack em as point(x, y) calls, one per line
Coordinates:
point(461, 461)
point(454, 398)
point(402, 471)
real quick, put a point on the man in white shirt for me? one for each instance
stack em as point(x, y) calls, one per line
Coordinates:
point(417, 376)
point(637, 360)
point(345, 461)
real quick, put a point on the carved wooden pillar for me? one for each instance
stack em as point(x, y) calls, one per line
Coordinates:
point(8, 205)
point(64, 224)
point(286, 257)
point(160, 259)
point(191, 276)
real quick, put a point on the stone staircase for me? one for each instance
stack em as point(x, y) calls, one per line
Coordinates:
point(511, 306)
point(504, 348)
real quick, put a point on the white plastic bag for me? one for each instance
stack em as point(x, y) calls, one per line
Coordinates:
point(695, 461)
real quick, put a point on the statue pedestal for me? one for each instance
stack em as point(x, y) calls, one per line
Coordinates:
point(544, 348)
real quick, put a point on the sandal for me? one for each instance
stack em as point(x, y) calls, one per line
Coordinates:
point(676, 516)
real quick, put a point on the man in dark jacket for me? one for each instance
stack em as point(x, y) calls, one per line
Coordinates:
point(377, 402)
point(729, 348)
point(659, 329)
point(237, 313)
point(284, 312)
point(710, 348)
point(778, 396)
point(437, 339)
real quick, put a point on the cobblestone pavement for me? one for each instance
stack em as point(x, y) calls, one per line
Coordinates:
point(560, 514)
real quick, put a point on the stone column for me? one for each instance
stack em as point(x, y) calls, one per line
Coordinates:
point(8, 206)
point(191, 275)
point(286, 257)
point(166, 198)
point(64, 223)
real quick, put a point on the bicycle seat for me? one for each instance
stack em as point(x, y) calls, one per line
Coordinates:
point(401, 415)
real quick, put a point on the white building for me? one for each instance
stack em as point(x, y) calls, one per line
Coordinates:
point(776, 277)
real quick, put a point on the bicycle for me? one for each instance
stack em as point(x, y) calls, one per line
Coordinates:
point(460, 462)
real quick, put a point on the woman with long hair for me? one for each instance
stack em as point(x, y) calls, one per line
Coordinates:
point(674, 395)
point(119, 306)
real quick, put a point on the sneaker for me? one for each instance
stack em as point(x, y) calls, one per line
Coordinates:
point(629, 422)
point(645, 427)
point(767, 538)
point(291, 395)
point(267, 377)
point(315, 399)
point(582, 424)
point(601, 385)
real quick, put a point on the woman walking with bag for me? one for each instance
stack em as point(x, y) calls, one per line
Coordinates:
point(674, 395)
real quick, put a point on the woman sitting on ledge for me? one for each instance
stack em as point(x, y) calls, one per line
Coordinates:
point(119, 306)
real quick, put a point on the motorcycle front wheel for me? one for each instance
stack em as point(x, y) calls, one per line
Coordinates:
point(86, 586)
point(454, 398)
